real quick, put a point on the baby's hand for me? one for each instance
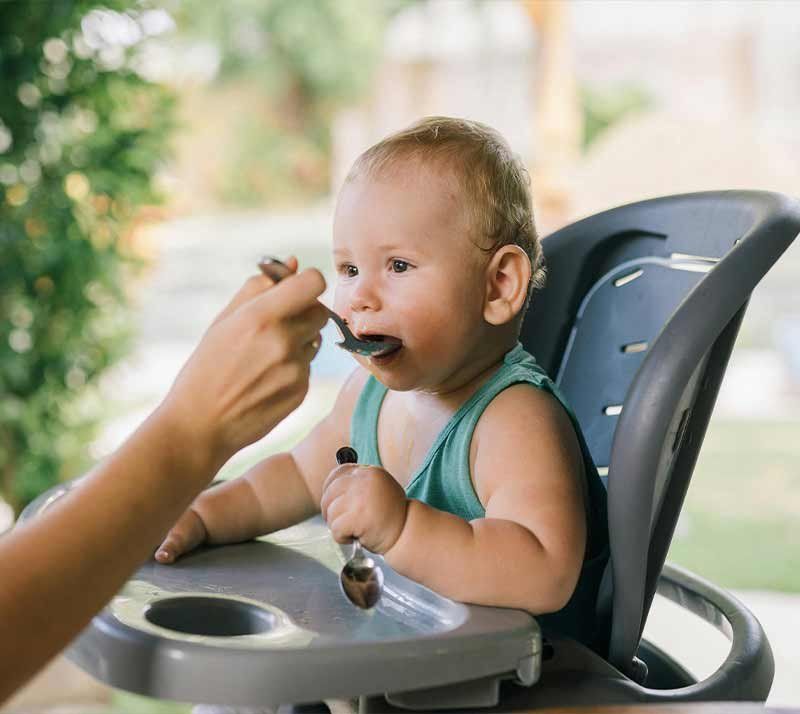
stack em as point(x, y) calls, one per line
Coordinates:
point(364, 502)
point(185, 535)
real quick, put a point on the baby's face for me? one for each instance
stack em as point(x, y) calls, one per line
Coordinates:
point(408, 269)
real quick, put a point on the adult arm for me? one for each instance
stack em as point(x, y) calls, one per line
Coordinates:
point(248, 372)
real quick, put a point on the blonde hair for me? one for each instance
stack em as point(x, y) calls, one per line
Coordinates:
point(495, 183)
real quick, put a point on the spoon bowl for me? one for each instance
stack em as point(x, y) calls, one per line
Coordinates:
point(361, 579)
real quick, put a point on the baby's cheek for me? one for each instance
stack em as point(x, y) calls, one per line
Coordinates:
point(430, 321)
point(340, 305)
point(445, 329)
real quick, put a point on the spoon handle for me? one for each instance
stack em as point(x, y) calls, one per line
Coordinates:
point(348, 455)
point(273, 268)
point(276, 271)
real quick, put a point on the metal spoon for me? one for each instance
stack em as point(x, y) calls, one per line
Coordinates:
point(361, 579)
point(276, 270)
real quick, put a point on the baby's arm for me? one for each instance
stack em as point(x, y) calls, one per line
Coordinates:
point(278, 492)
point(528, 550)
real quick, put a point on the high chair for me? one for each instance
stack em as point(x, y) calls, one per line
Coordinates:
point(636, 323)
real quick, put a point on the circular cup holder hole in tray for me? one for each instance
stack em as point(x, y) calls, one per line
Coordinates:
point(214, 617)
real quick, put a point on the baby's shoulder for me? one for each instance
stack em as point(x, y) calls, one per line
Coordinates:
point(349, 393)
point(521, 401)
point(517, 414)
point(526, 429)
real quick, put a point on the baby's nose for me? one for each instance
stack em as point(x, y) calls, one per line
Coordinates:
point(364, 296)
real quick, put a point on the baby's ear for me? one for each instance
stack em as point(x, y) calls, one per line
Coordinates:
point(507, 277)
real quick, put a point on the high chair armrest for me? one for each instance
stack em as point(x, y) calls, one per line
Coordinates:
point(748, 670)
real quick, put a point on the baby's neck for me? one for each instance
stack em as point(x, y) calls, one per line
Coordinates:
point(468, 378)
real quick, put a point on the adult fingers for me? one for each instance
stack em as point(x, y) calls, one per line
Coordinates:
point(253, 286)
point(291, 344)
point(293, 295)
point(291, 263)
point(305, 326)
point(312, 348)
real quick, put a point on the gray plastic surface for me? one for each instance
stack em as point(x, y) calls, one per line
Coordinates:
point(576, 676)
point(595, 369)
point(308, 642)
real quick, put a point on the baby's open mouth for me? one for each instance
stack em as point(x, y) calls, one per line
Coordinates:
point(392, 343)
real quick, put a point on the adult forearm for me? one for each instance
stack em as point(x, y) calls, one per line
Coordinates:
point(488, 561)
point(58, 570)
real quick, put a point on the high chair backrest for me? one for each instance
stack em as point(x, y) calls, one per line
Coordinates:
point(636, 323)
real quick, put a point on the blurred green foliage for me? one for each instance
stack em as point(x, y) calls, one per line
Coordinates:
point(307, 59)
point(605, 106)
point(81, 135)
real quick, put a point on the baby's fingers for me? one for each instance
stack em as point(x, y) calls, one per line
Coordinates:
point(344, 527)
point(185, 535)
point(336, 486)
point(168, 550)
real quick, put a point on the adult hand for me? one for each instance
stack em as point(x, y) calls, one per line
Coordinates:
point(251, 368)
point(364, 502)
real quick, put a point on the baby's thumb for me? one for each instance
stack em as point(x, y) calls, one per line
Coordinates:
point(184, 536)
point(169, 550)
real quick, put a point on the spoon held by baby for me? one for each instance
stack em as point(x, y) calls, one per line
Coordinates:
point(361, 579)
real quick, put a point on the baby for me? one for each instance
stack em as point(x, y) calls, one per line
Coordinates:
point(474, 478)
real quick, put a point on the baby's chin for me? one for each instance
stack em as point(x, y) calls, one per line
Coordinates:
point(406, 370)
point(393, 379)
point(395, 384)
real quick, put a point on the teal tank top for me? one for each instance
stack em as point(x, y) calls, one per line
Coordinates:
point(443, 480)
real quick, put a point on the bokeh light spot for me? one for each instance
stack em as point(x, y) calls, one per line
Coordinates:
point(17, 195)
point(76, 186)
point(20, 340)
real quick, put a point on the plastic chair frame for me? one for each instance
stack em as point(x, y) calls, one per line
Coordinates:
point(744, 233)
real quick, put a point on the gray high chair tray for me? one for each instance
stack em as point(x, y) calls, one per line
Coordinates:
point(264, 623)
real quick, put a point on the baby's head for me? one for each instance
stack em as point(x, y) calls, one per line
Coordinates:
point(435, 245)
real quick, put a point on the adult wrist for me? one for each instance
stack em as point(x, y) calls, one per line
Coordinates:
point(193, 453)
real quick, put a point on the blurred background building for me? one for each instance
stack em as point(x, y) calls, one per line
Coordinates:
point(265, 103)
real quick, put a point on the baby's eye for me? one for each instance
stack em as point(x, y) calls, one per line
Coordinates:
point(349, 271)
point(399, 266)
